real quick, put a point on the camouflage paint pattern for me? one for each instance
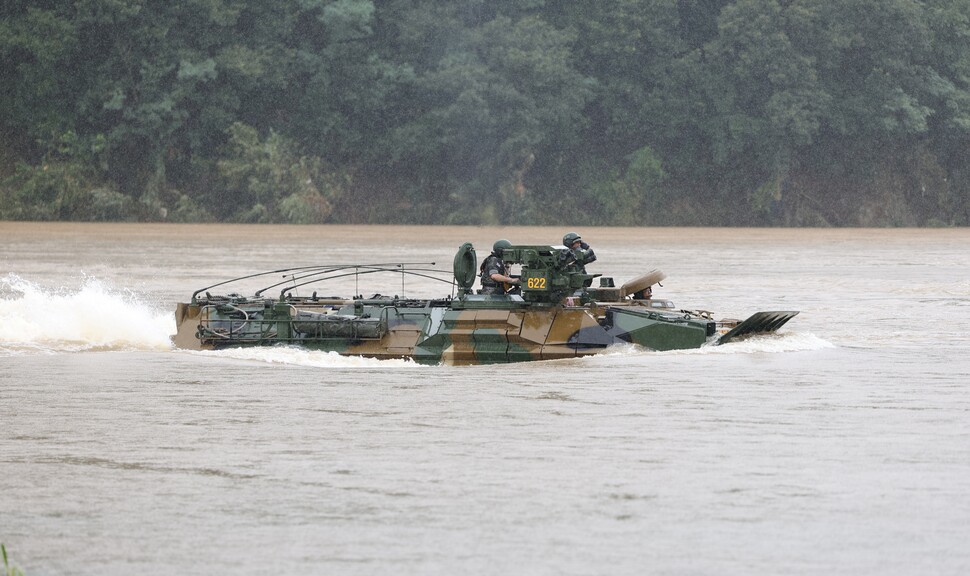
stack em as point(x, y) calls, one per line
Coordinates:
point(558, 315)
point(437, 331)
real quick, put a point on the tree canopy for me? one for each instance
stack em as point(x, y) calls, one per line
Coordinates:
point(632, 112)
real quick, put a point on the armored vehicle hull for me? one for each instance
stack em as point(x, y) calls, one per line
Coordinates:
point(556, 315)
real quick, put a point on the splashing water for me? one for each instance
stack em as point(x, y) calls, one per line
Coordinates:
point(766, 343)
point(90, 316)
point(294, 356)
point(776, 343)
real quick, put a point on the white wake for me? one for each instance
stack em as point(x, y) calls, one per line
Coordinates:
point(293, 356)
point(84, 317)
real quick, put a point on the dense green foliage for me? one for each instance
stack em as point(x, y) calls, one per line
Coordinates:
point(634, 112)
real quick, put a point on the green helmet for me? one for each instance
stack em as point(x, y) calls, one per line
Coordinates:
point(569, 238)
point(501, 245)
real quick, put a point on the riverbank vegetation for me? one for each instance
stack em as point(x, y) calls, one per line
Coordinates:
point(8, 568)
point(627, 112)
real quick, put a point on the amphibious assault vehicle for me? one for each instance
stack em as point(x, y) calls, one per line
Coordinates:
point(557, 313)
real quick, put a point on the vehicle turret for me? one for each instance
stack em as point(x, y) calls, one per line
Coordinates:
point(547, 275)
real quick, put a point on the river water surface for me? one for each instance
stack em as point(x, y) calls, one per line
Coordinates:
point(839, 446)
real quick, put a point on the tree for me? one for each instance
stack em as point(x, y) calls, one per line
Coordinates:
point(267, 181)
point(504, 95)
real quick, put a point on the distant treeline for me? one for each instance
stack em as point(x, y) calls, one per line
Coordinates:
point(626, 112)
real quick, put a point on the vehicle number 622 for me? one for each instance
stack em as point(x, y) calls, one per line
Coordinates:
point(536, 283)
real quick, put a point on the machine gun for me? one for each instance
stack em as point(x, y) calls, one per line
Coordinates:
point(549, 273)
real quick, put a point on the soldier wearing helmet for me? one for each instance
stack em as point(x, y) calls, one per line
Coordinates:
point(495, 275)
point(582, 252)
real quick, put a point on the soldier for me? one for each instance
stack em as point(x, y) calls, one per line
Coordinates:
point(645, 294)
point(581, 251)
point(495, 275)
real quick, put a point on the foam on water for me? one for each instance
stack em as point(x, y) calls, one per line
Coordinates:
point(765, 343)
point(294, 356)
point(762, 344)
point(85, 317)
